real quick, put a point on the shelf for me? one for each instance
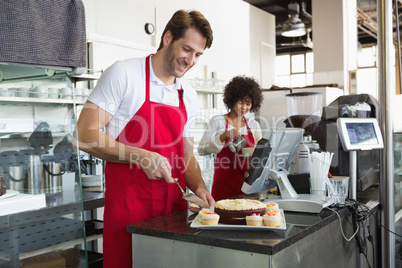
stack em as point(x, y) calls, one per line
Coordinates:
point(58, 247)
point(18, 71)
point(37, 100)
point(84, 77)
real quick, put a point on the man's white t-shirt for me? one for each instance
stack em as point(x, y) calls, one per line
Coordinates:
point(121, 92)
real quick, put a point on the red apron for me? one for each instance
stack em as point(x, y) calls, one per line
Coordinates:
point(130, 196)
point(230, 169)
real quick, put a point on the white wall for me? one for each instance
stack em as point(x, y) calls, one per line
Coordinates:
point(335, 41)
point(242, 34)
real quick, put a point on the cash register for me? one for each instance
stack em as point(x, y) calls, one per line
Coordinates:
point(271, 161)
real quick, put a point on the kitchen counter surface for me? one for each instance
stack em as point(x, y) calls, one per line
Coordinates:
point(299, 225)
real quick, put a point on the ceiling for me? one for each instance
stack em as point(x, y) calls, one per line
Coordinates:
point(366, 22)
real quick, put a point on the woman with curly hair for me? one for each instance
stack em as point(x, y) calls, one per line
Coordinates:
point(241, 95)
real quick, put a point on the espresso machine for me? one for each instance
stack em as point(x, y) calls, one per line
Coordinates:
point(304, 110)
point(36, 170)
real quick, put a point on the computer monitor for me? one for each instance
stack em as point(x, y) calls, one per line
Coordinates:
point(359, 134)
point(271, 162)
point(271, 156)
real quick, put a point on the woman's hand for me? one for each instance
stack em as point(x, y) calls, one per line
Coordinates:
point(230, 134)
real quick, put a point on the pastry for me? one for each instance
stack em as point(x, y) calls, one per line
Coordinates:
point(208, 218)
point(234, 211)
point(254, 220)
point(272, 218)
point(272, 206)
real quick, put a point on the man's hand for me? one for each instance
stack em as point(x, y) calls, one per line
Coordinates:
point(154, 165)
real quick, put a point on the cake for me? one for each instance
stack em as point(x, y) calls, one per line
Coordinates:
point(2, 185)
point(272, 218)
point(254, 220)
point(272, 206)
point(235, 211)
point(208, 218)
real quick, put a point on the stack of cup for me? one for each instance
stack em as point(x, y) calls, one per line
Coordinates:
point(3, 92)
point(66, 93)
point(12, 92)
point(24, 92)
point(85, 93)
point(53, 93)
point(40, 92)
point(78, 93)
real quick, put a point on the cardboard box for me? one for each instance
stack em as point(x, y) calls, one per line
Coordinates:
point(48, 260)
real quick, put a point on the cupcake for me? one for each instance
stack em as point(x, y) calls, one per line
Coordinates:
point(272, 206)
point(254, 220)
point(272, 218)
point(208, 217)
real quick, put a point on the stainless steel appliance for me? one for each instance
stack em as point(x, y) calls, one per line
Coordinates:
point(304, 110)
point(271, 162)
point(326, 134)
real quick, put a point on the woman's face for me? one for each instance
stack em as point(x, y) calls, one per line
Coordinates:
point(242, 107)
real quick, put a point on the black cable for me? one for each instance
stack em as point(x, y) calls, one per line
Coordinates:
point(359, 218)
point(370, 238)
point(379, 222)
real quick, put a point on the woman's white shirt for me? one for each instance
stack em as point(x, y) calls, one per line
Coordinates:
point(210, 142)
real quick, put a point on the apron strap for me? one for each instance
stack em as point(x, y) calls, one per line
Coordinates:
point(147, 77)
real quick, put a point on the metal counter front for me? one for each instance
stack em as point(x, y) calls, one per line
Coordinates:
point(56, 227)
point(310, 240)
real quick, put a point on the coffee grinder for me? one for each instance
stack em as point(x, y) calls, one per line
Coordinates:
point(304, 110)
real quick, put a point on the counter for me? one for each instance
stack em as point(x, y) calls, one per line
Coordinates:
point(53, 228)
point(310, 240)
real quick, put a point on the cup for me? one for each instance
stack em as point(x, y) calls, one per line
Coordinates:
point(338, 190)
point(12, 92)
point(66, 93)
point(24, 92)
point(78, 93)
point(85, 93)
point(53, 93)
point(40, 92)
point(3, 92)
point(237, 144)
point(318, 186)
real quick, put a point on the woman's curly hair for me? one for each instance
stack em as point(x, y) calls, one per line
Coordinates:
point(241, 88)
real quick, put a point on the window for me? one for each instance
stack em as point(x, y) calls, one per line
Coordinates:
point(366, 74)
point(294, 70)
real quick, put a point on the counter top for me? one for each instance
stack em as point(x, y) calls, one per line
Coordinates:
point(60, 203)
point(176, 226)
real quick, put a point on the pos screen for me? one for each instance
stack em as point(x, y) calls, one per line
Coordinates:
point(359, 134)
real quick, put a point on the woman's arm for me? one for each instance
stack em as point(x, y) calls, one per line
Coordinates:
point(211, 141)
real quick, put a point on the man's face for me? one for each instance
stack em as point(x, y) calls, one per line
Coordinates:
point(183, 53)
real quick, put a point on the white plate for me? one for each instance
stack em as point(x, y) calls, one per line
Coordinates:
point(9, 193)
point(220, 226)
point(91, 183)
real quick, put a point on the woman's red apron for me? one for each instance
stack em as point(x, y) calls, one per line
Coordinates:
point(130, 196)
point(230, 169)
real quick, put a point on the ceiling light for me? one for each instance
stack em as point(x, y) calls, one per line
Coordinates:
point(293, 26)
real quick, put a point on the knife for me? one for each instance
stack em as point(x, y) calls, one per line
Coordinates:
point(192, 197)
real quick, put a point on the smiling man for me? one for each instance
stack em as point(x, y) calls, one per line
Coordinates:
point(145, 108)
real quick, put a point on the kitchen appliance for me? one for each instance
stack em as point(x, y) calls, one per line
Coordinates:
point(271, 161)
point(327, 136)
point(304, 110)
point(358, 134)
point(35, 170)
point(14, 169)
